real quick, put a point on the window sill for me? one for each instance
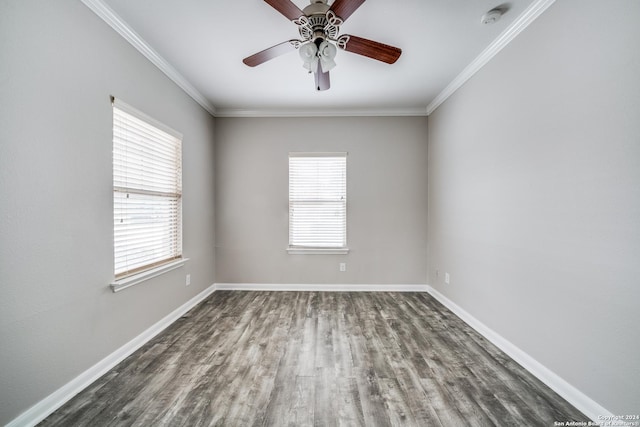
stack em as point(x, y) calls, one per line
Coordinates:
point(125, 282)
point(317, 251)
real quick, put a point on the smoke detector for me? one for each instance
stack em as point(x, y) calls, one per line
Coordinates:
point(492, 16)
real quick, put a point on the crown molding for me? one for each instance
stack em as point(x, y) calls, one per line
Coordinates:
point(329, 112)
point(121, 27)
point(527, 17)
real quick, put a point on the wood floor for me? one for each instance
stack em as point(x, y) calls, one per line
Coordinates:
point(317, 358)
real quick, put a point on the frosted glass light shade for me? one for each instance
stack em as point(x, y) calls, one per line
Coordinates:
point(327, 52)
point(309, 54)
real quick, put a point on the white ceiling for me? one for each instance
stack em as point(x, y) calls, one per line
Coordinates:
point(201, 44)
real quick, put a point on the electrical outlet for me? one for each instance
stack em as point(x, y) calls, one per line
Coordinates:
point(447, 278)
point(343, 266)
point(188, 279)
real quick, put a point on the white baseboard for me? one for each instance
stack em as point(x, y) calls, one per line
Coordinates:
point(319, 287)
point(45, 407)
point(568, 392)
point(49, 404)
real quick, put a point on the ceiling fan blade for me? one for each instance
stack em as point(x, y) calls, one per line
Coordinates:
point(344, 8)
point(287, 8)
point(269, 53)
point(375, 50)
point(322, 79)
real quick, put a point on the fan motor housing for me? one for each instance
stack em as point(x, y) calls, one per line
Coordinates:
point(316, 9)
point(318, 26)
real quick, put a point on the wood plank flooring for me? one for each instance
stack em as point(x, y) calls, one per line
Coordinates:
point(317, 359)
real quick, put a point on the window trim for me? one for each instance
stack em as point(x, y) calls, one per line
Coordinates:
point(138, 275)
point(133, 279)
point(319, 250)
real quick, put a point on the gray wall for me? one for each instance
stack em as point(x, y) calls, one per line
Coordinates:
point(387, 202)
point(58, 65)
point(534, 196)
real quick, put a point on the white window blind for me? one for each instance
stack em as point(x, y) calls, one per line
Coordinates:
point(147, 191)
point(317, 200)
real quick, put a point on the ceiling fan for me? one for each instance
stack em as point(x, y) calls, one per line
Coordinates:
point(319, 26)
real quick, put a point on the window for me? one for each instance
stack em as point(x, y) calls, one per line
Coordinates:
point(147, 193)
point(318, 202)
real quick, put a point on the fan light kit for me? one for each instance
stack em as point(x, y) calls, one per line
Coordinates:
point(319, 26)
